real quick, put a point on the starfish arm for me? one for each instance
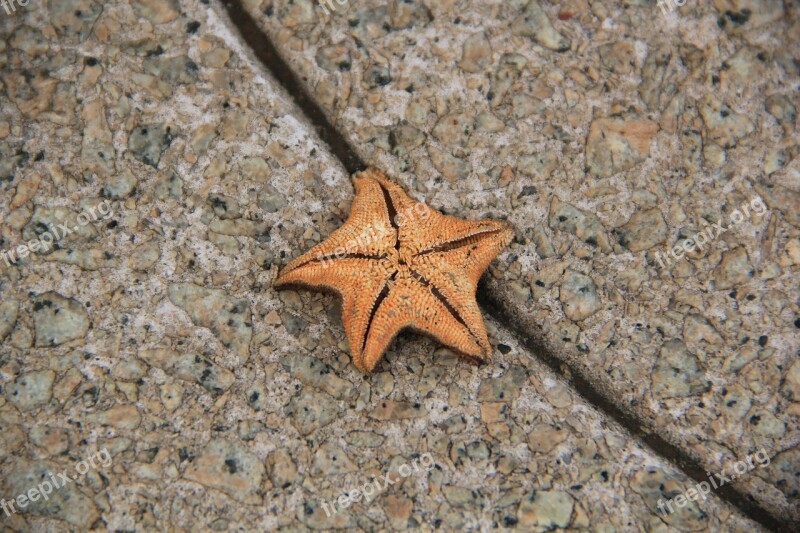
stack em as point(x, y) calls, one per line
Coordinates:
point(422, 228)
point(368, 231)
point(464, 260)
point(443, 233)
point(459, 293)
point(396, 196)
point(411, 304)
point(455, 274)
point(359, 282)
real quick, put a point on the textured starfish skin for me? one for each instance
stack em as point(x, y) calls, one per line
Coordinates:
point(397, 263)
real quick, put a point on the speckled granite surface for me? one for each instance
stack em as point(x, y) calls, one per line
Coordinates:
point(153, 332)
point(607, 133)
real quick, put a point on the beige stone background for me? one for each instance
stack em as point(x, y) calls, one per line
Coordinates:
point(603, 131)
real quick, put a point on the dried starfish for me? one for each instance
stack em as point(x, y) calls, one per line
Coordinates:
point(397, 263)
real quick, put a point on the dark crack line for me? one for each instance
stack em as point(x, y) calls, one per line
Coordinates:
point(633, 424)
point(266, 52)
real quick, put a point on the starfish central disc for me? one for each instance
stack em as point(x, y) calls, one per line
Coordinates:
point(397, 263)
point(399, 257)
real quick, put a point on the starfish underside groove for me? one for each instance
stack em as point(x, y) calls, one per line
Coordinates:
point(397, 263)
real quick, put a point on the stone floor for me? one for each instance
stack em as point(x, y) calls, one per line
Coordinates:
point(605, 132)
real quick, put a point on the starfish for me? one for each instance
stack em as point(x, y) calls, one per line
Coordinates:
point(396, 264)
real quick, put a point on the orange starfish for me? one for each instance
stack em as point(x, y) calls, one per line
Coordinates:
point(397, 263)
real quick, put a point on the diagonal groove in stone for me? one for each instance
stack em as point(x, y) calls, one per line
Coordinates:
point(267, 53)
point(636, 427)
